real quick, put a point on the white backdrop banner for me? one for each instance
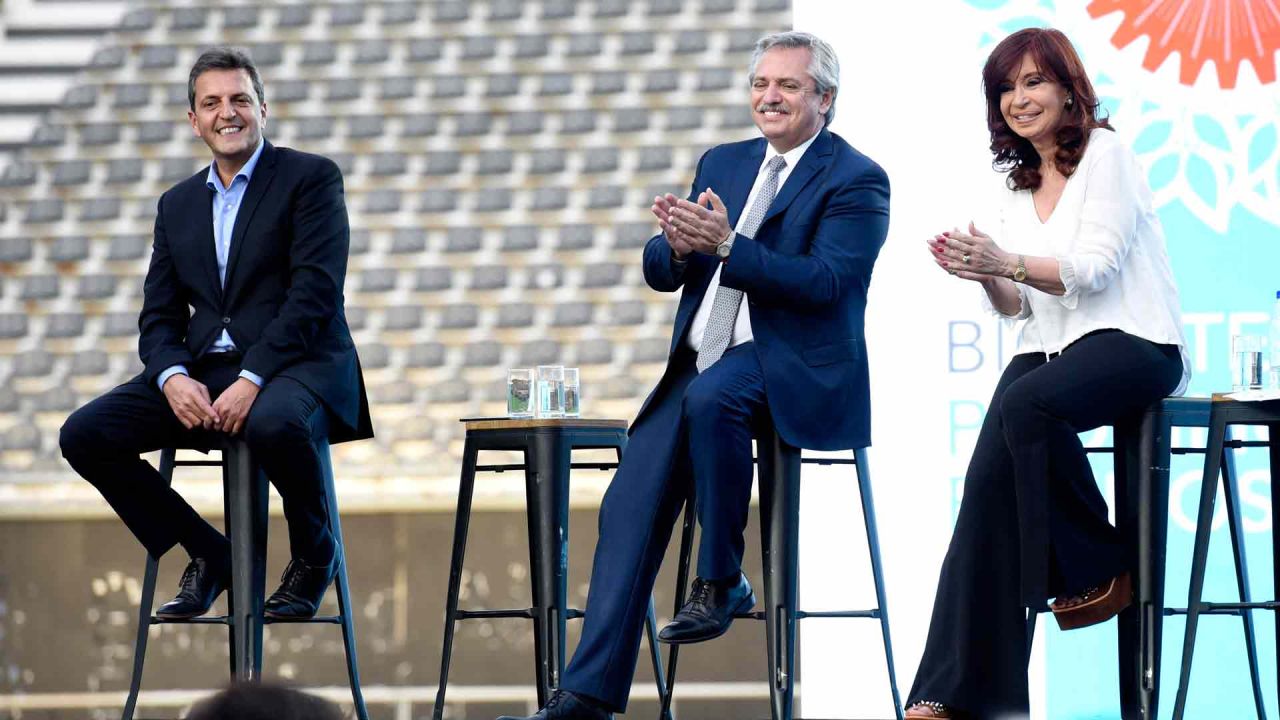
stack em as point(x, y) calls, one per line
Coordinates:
point(1194, 92)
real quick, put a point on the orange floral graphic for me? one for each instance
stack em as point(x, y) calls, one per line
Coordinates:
point(1224, 31)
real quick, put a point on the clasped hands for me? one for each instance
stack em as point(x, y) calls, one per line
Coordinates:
point(190, 401)
point(971, 255)
point(692, 227)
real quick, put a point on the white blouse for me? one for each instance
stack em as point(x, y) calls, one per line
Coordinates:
point(1110, 247)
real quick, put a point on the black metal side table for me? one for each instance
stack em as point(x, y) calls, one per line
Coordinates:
point(548, 446)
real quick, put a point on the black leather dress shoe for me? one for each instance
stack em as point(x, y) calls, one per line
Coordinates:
point(709, 611)
point(201, 584)
point(301, 589)
point(564, 705)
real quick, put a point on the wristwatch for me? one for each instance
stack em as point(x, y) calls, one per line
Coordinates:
point(726, 246)
point(1020, 273)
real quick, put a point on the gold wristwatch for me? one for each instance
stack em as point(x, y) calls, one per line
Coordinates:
point(1020, 273)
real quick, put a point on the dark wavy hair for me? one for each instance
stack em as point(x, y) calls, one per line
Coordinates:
point(1057, 60)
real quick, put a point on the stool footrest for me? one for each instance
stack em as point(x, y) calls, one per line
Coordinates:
point(202, 620)
point(802, 614)
point(573, 466)
point(526, 613)
point(1235, 608)
point(197, 463)
point(324, 619)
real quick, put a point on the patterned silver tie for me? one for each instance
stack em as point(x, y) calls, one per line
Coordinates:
point(724, 309)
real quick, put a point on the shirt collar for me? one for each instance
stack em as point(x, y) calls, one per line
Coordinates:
point(793, 155)
point(215, 183)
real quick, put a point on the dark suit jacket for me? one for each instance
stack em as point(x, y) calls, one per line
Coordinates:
point(283, 302)
point(805, 275)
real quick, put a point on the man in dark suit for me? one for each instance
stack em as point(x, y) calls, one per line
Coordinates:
point(242, 331)
point(773, 249)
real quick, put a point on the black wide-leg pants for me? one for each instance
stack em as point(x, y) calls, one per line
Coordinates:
point(102, 441)
point(1032, 523)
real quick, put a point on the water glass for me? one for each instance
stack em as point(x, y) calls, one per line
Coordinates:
point(1247, 352)
point(520, 393)
point(572, 393)
point(550, 391)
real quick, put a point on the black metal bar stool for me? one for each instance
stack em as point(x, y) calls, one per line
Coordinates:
point(779, 481)
point(548, 446)
point(1142, 454)
point(1223, 414)
point(244, 489)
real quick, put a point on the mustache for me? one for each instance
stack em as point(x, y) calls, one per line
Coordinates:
point(772, 107)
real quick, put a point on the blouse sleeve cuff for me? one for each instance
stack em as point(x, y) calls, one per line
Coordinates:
point(1067, 273)
point(1024, 308)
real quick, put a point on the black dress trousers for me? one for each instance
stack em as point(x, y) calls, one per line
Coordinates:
point(1032, 523)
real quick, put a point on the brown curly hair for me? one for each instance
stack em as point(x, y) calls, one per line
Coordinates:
point(1057, 60)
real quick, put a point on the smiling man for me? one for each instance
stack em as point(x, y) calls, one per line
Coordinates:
point(772, 252)
point(242, 333)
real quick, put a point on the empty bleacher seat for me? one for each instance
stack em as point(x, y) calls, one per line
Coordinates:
point(13, 325)
point(48, 135)
point(403, 317)
point(581, 44)
point(743, 39)
point(429, 354)
point(718, 78)
point(448, 86)
point(132, 95)
point(607, 83)
point(294, 16)
point(442, 200)
point(494, 162)
point(315, 128)
point(577, 236)
point(408, 240)
point(138, 19)
point(100, 208)
point(177, 168)
point(127, 247)
point(479, 47)
point(80, 96)
point(365, 126)
point(120, 324)
point(650, 350)
point(519, 237)
point(189, 18)
point(736, 116)
point(154, 57)
point(463, 239)
point(99, 134)
point(489, 277)
point(357, 317)
point(654, 157)
point(539, 352)
point(19, 174)
point(549, 197)
point(692, 41)
point(458, 316)
point(666, 7)
point(155, 131)
point(558, 83)
point(450, 11)
point(482, 354)
point(573, 314)
point(96, 287)
point(433, 278)
point(628, 312)
point(577, 122)
point(359, 242)
point(423, 49)
point(112, 56)
point(606, 196)
point(241, 16)
point(266, 54)
point(346, 14)
point(44, 210)
point(90, 362)
point(718, 6)
point(684, 118)
point(378, 279)
point(602, 275)
point(531, 46)
point(493, 200)
point(502, 85)
point(501, 10)
point(612, 8)
point(526, 122)
point(598, 351)
point(634, 234)
point(558, 9)
point(286, 91)
point(544, 277)
point(374, 356)
point(383, 200)
point(69, 249)
point(515, 315)
point(473, 123)
point(16, 249)
point(630, 120)
point(399, 13)
point(551, 160)
point(637, 43)
point(398, 88)
point(420, 125)
point(64, 325)
point(32, 363)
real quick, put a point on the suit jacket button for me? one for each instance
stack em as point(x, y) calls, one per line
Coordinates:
point(226, 321)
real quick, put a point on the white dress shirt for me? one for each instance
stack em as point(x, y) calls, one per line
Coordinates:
point(742, 325)
point(1111, 252)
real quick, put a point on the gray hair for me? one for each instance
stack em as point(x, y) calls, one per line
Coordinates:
point(824, 67)
point(224, 58)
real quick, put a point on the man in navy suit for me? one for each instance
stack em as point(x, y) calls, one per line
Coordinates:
point(242, 331)
point(773, 249)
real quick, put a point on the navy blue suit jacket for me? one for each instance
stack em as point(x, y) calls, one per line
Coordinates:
point(282, 303)
point(805, 275)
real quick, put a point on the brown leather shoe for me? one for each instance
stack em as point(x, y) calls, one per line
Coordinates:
point(1094, 605)
point(929, 709)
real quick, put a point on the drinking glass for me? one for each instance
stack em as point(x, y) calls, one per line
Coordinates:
point(550, 391)
point(572, 393)
point(520, 393)
point(1247, 351)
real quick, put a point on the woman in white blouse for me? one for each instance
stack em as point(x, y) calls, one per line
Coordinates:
point(1080, 259)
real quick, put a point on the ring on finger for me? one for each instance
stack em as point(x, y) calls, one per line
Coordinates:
point(965, 258)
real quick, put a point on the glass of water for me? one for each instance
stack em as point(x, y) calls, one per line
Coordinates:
point(1247, 352)
point(572, 393)
point(520, 393)
point(550, 391)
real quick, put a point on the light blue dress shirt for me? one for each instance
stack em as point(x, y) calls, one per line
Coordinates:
point(226, 205)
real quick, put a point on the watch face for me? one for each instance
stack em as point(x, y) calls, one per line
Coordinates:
point(723, 249)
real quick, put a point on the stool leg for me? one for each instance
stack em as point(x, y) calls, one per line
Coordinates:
point(167, 457)
point(877, 571)
point(1204, 522)
point(1231, 493)
point(1273, 455)
point(246, 495)
point(345, 610)
point(780, 515)
point(1031, 631)
point(682, 581)
point(462, 521)
point(547, 463)
point(1143, 473)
